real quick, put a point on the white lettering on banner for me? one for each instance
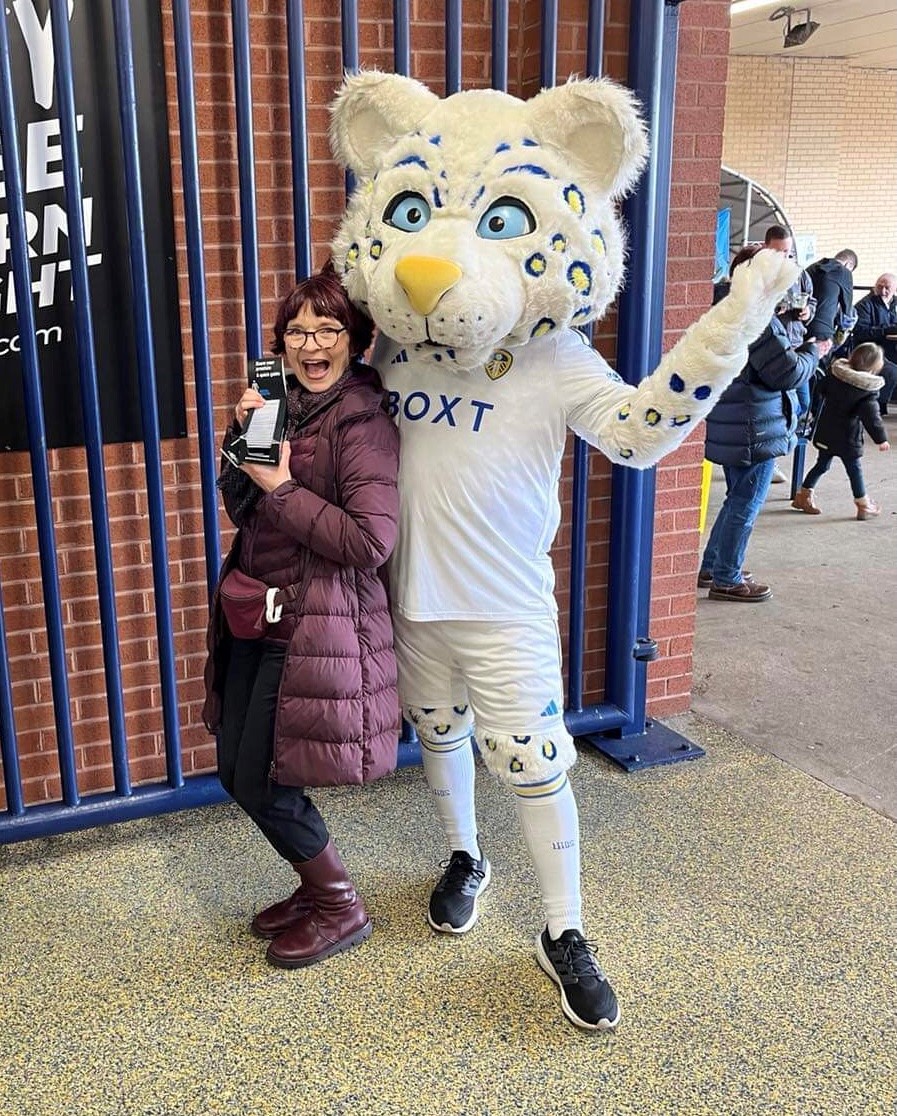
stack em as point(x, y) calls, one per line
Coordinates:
point(42, 172)
point(45, 286)
point(40, 155)
point(51, 336)
point(39, 41)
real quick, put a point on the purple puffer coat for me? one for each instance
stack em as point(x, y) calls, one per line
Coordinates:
point(329, 531)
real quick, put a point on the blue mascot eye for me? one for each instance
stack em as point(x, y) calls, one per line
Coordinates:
point(407, 211)
point(505, 219)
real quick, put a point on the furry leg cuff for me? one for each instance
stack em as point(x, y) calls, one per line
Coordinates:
point(539, 758)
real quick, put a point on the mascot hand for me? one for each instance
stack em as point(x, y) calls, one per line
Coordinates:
point(757, 288)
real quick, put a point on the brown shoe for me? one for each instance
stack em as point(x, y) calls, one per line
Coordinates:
point(281, 916)
point(867, 508)
point(745, 591)
point(705, 578)
point(803, 501)
point(337, 921)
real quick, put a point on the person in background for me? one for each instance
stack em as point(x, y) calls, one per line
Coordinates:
point(796, 309)
point(313, 702)
point(752, 424)
point(832, 281)
point(877, 322)
point(850, 392)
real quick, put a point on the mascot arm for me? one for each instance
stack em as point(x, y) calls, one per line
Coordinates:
point(361, 529)
point(637, 426)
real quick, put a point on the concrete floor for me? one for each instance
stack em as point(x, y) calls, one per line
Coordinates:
point(811, 675)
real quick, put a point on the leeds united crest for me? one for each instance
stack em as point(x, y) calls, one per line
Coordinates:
point(499, 363)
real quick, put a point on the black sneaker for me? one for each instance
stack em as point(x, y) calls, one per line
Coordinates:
point(453, 904)
point(586, 995)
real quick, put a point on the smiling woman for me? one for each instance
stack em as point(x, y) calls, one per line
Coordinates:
point(312, 701)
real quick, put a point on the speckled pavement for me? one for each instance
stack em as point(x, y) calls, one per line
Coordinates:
point(746, 913)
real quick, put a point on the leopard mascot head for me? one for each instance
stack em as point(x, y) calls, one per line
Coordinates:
point(481, 220)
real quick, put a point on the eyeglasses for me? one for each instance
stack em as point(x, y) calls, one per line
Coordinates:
point(324, 338)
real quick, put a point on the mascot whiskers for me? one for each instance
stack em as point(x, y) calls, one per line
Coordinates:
point(482, 231)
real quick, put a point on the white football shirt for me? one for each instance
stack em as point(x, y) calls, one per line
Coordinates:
point(480, 466)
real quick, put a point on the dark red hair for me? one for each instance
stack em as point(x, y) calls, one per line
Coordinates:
point(327, 297)
point(747, 253)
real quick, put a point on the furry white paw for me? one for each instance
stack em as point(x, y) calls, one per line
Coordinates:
point(764, 278)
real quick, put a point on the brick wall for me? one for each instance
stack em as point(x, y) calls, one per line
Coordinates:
point(822, 137)
point(700, 101)
point(695, 172)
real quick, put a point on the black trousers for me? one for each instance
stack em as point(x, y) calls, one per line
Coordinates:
point(886, 394)
point(285, 815)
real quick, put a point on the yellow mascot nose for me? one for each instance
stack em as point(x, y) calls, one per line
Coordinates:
point(425, 279)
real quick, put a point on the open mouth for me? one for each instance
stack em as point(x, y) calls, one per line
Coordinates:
point(316, 369)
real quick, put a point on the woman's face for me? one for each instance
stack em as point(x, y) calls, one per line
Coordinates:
point(317, 361)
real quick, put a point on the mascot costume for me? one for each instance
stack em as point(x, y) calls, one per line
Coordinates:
point(481, 231)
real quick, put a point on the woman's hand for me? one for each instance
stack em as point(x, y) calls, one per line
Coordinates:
point(250, 400)
point(269, 477)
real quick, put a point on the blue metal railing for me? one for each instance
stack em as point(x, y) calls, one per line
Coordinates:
point(246, 167)
point(299, 137)
point(75, 812)
point(90, 396)
point(196, 278)
point(37, 433)
point(652, 52)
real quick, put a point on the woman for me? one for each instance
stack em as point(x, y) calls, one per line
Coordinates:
point(753, 423)
point(313, 702)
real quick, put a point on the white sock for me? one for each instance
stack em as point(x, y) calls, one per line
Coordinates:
point(450, 775)
point(550, 824)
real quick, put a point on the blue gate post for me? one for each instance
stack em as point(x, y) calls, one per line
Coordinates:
point(37, 435)
point(90, 396)
point(638, 742)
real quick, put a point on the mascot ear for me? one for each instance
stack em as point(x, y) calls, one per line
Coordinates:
point(596, 123)
point(371, 111)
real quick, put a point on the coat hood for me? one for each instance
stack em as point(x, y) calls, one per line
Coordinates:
point(865, 381)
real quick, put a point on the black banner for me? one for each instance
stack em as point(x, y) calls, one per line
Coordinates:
point(106, 228)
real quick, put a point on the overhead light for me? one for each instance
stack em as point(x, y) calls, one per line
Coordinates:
point(739, 7)
point(796, 34)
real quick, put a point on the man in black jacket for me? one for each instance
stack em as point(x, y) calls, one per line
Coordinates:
point(877, 321)
point(833, 289)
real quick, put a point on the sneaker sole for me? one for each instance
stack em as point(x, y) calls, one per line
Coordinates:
point(446, 927)
point(548, 969)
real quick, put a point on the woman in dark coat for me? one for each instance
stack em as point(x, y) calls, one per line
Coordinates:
point(313, 702)
point(850, 404)
point(753, 423)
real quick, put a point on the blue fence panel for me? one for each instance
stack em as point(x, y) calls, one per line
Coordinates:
point(652, 52)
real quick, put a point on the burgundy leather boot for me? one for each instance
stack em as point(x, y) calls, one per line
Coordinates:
point(281, 916)
point(336, 922)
